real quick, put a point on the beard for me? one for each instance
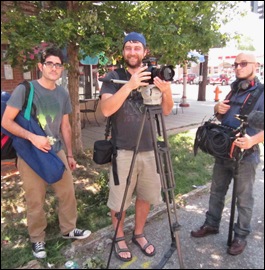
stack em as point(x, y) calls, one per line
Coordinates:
point(246, 77)
point(137, 64)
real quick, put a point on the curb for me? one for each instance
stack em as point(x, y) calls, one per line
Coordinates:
point(186, 128)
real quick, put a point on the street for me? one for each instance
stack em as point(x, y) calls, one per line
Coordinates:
point(192, 91)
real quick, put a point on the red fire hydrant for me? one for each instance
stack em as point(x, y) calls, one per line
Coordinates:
point(217, 91)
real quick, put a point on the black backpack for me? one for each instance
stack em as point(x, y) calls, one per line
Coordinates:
point(7, 150)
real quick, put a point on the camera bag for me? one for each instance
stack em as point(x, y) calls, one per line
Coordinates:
point(216, 139)
point(103, 149)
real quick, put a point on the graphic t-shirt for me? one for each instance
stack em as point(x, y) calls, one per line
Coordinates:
point(51, 105)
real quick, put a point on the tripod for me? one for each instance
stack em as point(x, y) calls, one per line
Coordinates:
point(164, 168)
point(239, 156)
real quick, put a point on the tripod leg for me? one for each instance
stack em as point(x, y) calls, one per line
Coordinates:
point(168, 189)
point(232, 215)
point(233, 201)
point(164, 167)
point(119, 214)
point(233, 204)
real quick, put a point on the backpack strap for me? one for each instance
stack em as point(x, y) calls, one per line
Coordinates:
point(27, 112)
point(107, 129)
point(28, 88)
point(121, 74)
point(251, 100)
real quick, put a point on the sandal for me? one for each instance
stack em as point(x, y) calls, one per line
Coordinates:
point(143, 249)
point(118, 250)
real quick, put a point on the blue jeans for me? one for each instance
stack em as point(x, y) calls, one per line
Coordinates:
point(223, 173)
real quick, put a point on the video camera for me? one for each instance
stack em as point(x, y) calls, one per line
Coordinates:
point(151, 94)
point(165, 73)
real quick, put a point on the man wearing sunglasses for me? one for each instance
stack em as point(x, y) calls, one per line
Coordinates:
point(246, 81)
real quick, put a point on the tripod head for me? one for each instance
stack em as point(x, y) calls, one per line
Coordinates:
point(151, 94)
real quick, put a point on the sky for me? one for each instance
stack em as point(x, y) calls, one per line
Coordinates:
point(250, 26)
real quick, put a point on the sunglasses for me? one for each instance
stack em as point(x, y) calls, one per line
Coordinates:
point(242, 64)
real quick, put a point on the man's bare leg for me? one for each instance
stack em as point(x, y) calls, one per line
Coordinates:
point(120, 232)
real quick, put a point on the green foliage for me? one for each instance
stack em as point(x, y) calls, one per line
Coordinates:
point(188, 170)
point(94, 263)
point(15, 256)
point(169, 27)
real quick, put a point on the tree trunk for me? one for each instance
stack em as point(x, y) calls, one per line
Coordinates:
point(73, 86)
point(184, 97)
point(203, 83)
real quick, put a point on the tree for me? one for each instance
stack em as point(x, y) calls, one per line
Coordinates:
point(172, 29)
point(72, 25)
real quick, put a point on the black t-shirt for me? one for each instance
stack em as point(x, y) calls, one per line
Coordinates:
point(127, 121)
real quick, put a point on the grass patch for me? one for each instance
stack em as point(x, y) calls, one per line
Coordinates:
point(91, 183)
point(188, 170)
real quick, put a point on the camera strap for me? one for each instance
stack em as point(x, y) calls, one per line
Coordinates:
point(251, 100)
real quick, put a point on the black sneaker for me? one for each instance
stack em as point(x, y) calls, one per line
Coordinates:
point(38, 250)
point(77, 234)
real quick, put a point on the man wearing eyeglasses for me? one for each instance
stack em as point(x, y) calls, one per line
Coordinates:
point(246, 81)
point(53, 107)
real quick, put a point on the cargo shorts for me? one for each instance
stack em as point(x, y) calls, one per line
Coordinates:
point(144, 183)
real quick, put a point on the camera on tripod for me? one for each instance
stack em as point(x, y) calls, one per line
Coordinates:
point(151, 94)
point(165, 73)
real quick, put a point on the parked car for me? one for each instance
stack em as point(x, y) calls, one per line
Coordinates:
point(219, 79)
point(190, 78)
point(177, 81)
point(197, 80)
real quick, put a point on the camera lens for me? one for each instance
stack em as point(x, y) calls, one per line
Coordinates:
point(167, 73)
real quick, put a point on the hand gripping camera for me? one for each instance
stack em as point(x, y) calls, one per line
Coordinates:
point(151, 94)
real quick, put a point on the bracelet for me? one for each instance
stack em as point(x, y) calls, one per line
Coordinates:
point(70, 156)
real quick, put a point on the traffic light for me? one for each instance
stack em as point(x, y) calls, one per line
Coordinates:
point(261, 11)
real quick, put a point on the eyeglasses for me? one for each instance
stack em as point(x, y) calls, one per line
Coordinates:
point(242, 64)
point(51, 65)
